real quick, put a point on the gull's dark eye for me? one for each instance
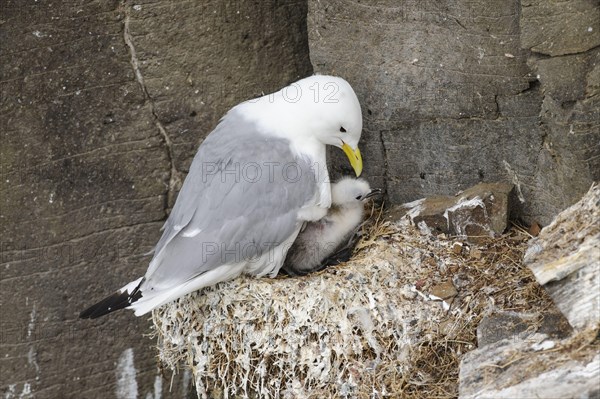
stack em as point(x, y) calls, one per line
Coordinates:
point(342, 129)
point(359, 197)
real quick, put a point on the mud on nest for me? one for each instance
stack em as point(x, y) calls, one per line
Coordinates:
point(363, 329)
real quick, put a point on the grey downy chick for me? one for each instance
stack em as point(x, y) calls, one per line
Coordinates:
point(319, 240)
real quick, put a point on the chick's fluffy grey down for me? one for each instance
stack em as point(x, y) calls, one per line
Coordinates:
point(318, 240)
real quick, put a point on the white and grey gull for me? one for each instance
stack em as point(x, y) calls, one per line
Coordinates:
point(256, 179)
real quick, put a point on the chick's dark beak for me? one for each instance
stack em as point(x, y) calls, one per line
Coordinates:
point(373, 192)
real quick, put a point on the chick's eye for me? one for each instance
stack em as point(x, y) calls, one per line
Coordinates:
point(342, 129)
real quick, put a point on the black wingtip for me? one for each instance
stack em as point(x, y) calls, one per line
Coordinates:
point(116, 301)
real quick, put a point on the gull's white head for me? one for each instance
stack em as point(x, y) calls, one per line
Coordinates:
point(319, 108)
point(351, 192)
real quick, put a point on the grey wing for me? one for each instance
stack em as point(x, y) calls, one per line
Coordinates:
point(240, 199)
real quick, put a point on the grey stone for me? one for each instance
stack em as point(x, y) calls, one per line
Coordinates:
point(456, 93)
point(569, 158)
point(564, 258)
point(559, 28)
point(480, 211)
point(512, 369)
point(515, 326)
point(534, 355)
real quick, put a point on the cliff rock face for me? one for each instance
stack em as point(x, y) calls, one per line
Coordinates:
point(520, 356)
point(103, 106)
point(564, 259)
point(458, 92)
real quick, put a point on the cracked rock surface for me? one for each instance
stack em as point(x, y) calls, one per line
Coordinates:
point(562, 358)
point(457, 93)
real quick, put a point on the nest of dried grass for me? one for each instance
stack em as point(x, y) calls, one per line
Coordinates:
point(364, 329)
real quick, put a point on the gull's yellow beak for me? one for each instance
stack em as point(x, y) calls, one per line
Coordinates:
point(354, 157)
